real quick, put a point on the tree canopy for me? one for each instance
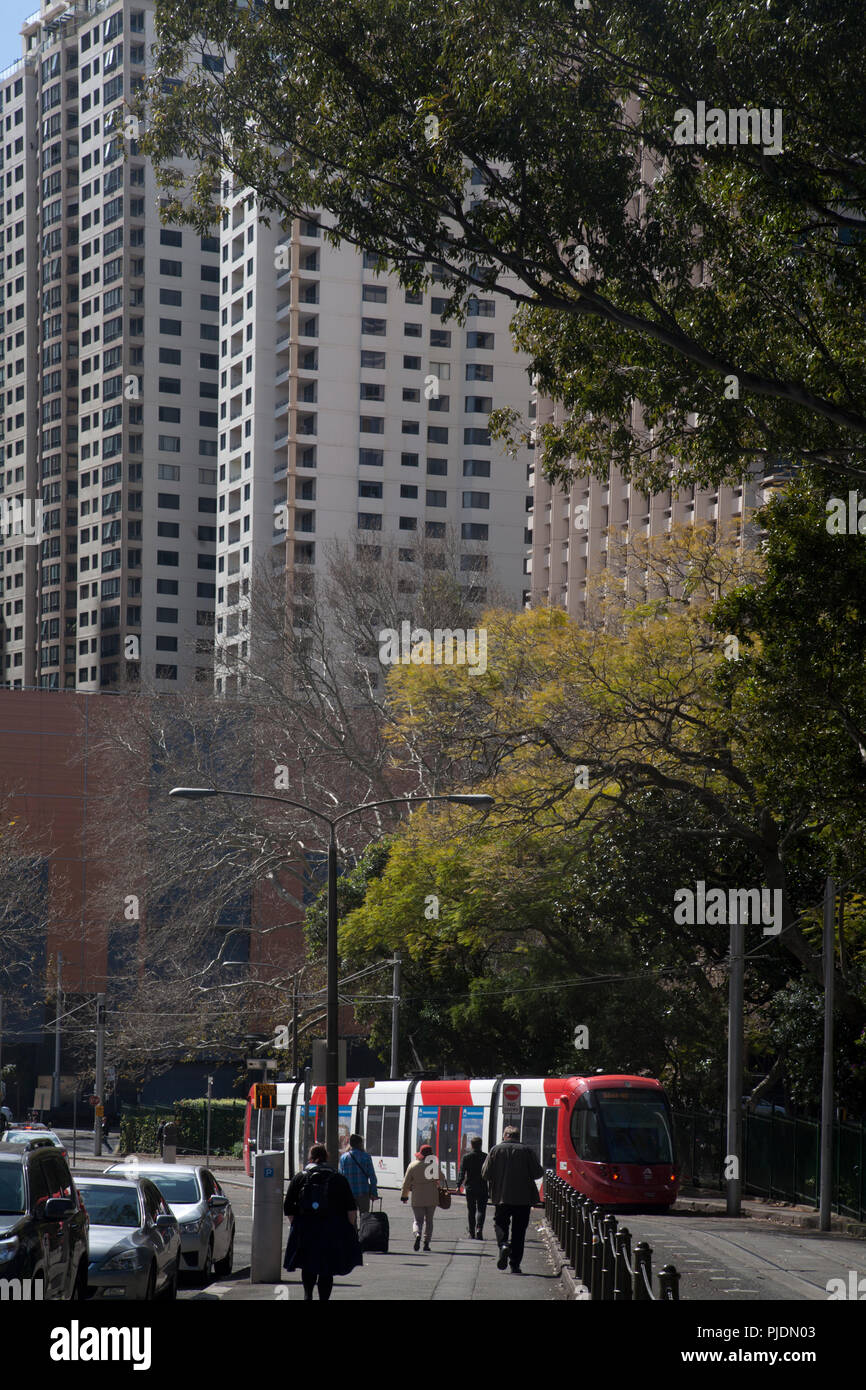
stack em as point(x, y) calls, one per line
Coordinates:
point(532, 146)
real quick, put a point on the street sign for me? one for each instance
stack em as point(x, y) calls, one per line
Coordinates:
point(94, 1100)
point(111, 1073)
point(320, 1063)
point(511, 1105)
point(42, 1098)
point(264, 1095)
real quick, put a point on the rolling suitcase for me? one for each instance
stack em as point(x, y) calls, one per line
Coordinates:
point(373, 1231)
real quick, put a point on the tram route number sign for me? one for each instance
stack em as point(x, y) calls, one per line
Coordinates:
point(510, 1105)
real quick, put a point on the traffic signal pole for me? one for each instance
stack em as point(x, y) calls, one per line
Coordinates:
point(100, 1074)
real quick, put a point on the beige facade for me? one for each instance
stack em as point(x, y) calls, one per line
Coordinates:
point(110, 356)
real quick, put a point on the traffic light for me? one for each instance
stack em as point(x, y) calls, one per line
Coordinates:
point(264, 1095)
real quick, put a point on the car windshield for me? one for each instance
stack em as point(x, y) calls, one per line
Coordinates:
point(11, 1190)
point(110, 1206)
point(177, 1188)
point(636, 1127)
point(25, 1136)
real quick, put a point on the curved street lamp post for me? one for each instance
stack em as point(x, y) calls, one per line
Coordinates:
point(480, 802)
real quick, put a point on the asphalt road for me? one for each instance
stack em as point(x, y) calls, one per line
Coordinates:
point(728, 1259)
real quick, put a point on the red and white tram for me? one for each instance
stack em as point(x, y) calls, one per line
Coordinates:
point(610, 1137)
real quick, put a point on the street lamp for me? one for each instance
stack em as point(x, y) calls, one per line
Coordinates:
point(479, 801)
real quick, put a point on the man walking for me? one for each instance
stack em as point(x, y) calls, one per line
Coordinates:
point(511, 1171)
point(474, 1186)
point(356, 1165)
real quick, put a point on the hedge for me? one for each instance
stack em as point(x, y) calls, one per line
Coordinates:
point(138, 1126)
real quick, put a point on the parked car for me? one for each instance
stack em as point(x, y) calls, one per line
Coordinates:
point(207, 1223)
point(22, 1134)
point(134, 1239)
point(43, 1225)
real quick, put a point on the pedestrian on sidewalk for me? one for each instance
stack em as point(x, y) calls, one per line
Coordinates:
point(422, 1184)
point(474, 1186)
point(323, 1240)
point(511, 1170)
point(160, 1137)
point(356, 1165)
point(106, 1129)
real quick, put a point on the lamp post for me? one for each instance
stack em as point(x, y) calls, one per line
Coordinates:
point(479, 801)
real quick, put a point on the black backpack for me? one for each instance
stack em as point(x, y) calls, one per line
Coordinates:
point(313, 1196)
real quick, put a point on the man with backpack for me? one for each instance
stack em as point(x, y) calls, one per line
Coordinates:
point(323, 1240)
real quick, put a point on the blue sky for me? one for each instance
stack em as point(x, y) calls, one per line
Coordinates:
point(12, 15)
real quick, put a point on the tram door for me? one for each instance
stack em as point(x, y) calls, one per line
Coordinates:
point(449, 1127)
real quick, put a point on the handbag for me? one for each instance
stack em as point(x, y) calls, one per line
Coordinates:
point(443, 1198)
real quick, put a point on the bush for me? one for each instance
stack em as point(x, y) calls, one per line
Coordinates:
point(138, 1127)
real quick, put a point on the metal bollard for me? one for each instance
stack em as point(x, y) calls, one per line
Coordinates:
point(586, 1241)
point(669, 1284)
point(575, 1229)
point(642, 1279)
point(622, 1282)
point(608, 1233)
point(595, 1264)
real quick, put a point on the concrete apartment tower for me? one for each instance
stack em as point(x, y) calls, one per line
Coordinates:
point(349, 410)
point(110, 357)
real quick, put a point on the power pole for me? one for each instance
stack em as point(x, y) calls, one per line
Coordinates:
point(209, 1098)
point(100, 1074)
point(295, 1027)
point(395, 1019)
point(826, 1188)
point(55, 1090)
point(734, 1156)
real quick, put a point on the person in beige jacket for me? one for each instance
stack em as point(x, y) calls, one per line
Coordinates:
point(422, 1184)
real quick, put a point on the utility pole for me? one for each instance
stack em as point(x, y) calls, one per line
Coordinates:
point(734, 1156)
point(100, 1074)
point(295, 1027)
point(826, 1188)
point(55, 1090)
point(209, 1099)
point(395, 1019)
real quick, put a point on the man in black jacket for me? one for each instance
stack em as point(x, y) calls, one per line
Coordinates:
point(474, 1186)
point(511, 1171)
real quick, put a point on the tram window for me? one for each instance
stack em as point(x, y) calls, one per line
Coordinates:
point(391, 1132)
point(584, 1132)
point(278, 1130)
point(320, 1125)
point(530, 1127)
point(373, 1141)
point(548, 1143)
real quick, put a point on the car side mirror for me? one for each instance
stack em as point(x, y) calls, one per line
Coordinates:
point(217, 1201)
point(57, 1207)
point(165, 1222)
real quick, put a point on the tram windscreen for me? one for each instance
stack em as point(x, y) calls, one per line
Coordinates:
point(636, 1126)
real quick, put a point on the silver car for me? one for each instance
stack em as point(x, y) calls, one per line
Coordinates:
point(134, 1239)
point(204, 1213)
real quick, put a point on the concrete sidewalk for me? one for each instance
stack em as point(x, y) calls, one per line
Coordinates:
point(456, 1267)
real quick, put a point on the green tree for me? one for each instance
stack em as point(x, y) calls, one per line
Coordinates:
point(721, 285)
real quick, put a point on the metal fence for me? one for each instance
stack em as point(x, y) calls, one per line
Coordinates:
point(600, 1252)
point(781, 1158)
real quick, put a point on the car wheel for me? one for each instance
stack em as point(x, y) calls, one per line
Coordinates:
point(150, 1291)
point(224, 1266)
point(205, 1274)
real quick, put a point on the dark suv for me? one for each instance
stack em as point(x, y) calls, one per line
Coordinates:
point(43, 1226)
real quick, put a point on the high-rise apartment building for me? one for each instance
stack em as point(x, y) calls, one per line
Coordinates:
point(570, 527)
point(109, 361)
point(350, 410)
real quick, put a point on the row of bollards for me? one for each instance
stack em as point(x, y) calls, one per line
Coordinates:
point(599, 1252)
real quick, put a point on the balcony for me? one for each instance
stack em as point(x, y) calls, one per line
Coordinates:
point(281, 407)
point(283, 344)
point(284, 308)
